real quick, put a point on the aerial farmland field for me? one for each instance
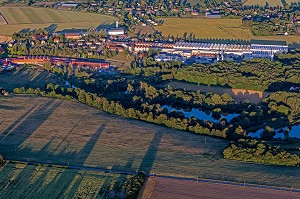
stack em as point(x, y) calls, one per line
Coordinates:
point(161, 188)
point(205, 28)
point(19, 18)
point(214, 29)
point(63, 132)
point(270, 2)
point(21, 180)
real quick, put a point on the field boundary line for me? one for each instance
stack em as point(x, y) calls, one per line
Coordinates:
point(201, 180)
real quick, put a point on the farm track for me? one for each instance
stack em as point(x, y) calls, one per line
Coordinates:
point(114, 171)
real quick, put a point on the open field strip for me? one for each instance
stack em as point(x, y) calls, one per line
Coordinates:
point(214, 29)
point(270, 2)
point(19, 18)
point(63, 132)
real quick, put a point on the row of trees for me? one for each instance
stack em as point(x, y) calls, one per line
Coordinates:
point(255, 74)
point(145, 103)
point(259, 151)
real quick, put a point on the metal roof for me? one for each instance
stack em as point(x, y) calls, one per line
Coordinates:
point(268, 42)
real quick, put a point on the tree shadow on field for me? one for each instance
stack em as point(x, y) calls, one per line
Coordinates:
point(20, 130)
point(16, 122)
point(68, 181)
point(105, 25)
point(51, 28)
point(150, 156)
point(8, 107)
point(88, 148)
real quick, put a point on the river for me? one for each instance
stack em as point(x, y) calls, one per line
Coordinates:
point(201, 115)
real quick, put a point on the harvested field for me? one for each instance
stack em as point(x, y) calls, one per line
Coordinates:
point(26, 181)
point(161, 188)
point(237, 94)
point(63, 132)
point(214, 29)
point(27, 77)
point(19, 18)
point(205, 28)
point(270, 2)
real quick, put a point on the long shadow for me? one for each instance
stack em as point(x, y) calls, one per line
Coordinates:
point(16, 122)
point(150, 156)
point(88, 148)
point(26, 174)
point(62, 181)
point(24, 129)
point(8, 107)
point(63, 140)
point(51, 28)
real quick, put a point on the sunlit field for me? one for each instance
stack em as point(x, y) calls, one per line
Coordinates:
point(63, 132)
point(19, 18)
point(214, 29)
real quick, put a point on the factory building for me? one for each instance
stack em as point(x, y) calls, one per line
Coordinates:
point(267, 49)
point(213, 51)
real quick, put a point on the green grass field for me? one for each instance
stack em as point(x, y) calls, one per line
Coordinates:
point(19, 18)
point(270, 2)
point(56, 131)
point(20, 180)
point(214, 29)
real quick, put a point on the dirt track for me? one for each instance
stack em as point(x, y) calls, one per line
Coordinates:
point(163, 188)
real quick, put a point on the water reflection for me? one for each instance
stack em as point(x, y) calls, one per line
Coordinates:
point(199, 114)
point(294, 133)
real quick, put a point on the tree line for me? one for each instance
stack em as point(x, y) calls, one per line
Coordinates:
point(259, 151)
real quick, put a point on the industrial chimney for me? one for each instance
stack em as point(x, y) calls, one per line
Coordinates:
point(117, 24)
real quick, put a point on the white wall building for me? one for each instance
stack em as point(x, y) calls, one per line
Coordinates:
point(115, 31)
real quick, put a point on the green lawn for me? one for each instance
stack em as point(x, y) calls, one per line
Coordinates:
point(57, 131)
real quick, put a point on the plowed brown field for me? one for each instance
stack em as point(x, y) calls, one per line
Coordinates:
point(163, 188)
